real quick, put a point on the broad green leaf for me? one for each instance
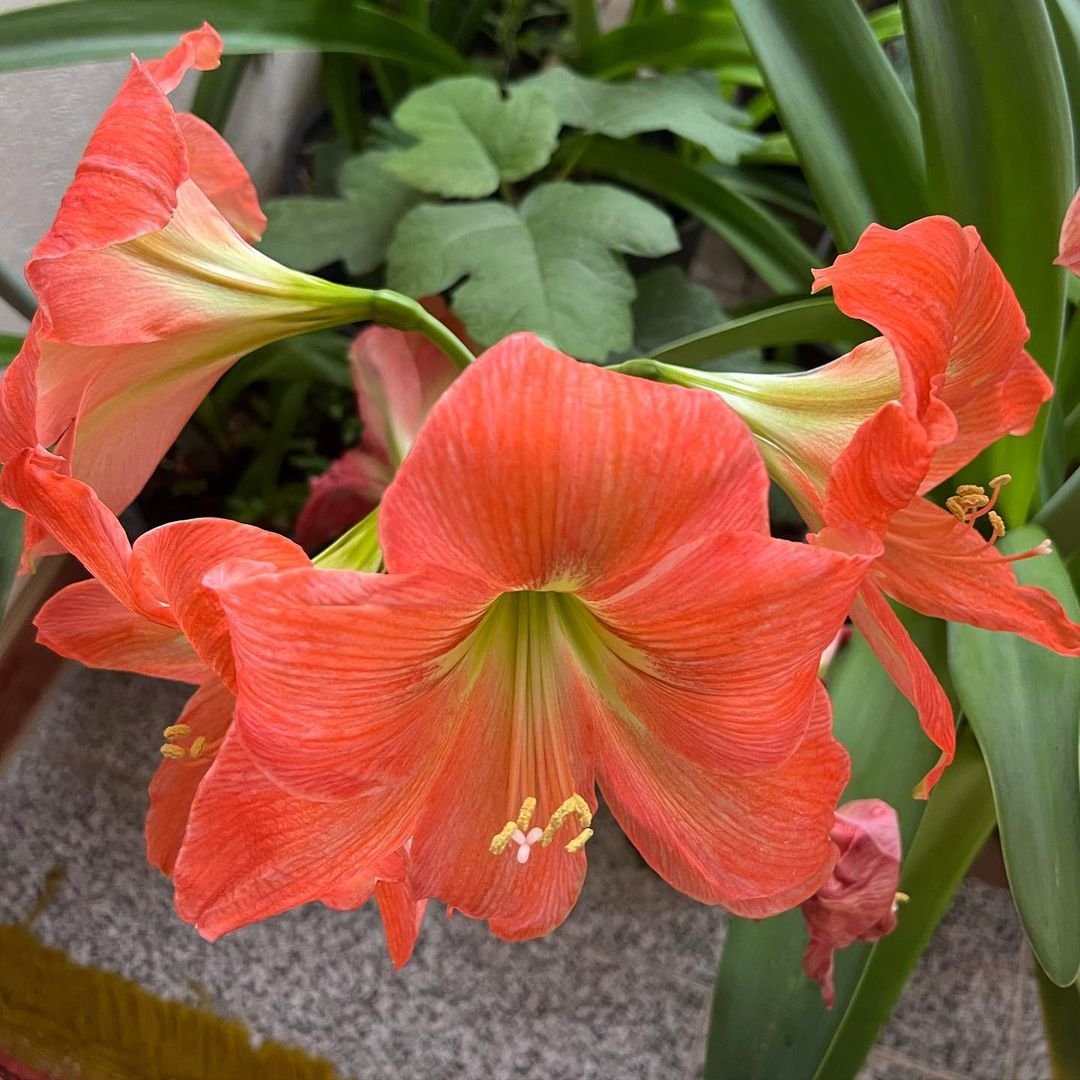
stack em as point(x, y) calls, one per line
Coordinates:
point(1060, 517)
point(470, 138)
point(675, 42)
point(308, 233)
point(767, 244)
point(844, 109)
point(548, 265)
point(794, 323)
point(669, 307)
point(1001, 160)
point(955, 826)
point(81, 31)
point(688, 104)
point(1061, 1023)
point(768, 1019)
point(1023, 703)
point(11, 537)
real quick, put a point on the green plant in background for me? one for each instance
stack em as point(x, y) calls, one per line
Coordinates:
point(453, 164)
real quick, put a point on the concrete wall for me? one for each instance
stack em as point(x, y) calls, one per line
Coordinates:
point(47, 116)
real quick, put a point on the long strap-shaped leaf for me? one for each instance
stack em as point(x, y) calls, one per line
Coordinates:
point(768, 1019)
point(1023, 702)
point(842, 105)
point(768, 245)
point(794, 323)
point(78, 31)
point(999, 155)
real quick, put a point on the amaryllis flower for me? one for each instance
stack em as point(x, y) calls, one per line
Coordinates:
point(858, 902)
point(398, 376)
point(147, 611)
point(148, 289)
point(864, 438)
point(581, 590)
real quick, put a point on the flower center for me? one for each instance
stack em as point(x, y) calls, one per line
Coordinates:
point(196, 750)
point(971, 503)
point(573, 807)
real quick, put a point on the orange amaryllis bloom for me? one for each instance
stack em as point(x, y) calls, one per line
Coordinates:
point(148, 289)
point(582, 590)
point(864, 438)
point(398, 376)
point(147, 611)
point(858, 902)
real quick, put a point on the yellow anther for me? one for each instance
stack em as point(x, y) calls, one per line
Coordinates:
point(574, 805)
point(528, 808)
point(901, 898)
point(996, 523)
point(1000, 481)
point(579, 841)
point(502, 838)
point(174, 752)
point(176, 731)
point(971, 489)
point(955, 507)
point(197, 747)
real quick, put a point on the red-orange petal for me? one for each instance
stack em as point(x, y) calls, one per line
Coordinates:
point(208, 713)
point(521, 736)
point(73, 514)
point(756, 844)
point(214, 166)
point(914, 678)
point(251, 850)
point(170, 562)
point(955, 327)
point(85, 622)
point(342, 677)
point(1069, 246)
point(693, 651)
point(533, 468)
point(938, 566)
point(200, 49)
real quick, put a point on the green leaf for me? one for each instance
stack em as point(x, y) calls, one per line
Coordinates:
point(955, 826)
point(308, 233)
point(844, 109)
point(471, 138)
point(689, 105)
point(1023, 703)
point(793, 323)
point(548, 265)
point(1061, 1022)
point(1065, 16)
point(81, 31)
point(10, 344)
point(669, 306)
point(674, 42)
point(768, 1019)
point(1001, 160)
point(11, 538)
point(768, 245)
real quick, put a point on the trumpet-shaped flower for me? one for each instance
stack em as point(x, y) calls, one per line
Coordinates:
point(146, 610)
point(398, 376)
point(581, 590)
point(864, 438)
point(858, 902)
point(148, 289)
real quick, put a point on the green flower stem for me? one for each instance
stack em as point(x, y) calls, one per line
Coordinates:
point(14, 291)
point(403, 313)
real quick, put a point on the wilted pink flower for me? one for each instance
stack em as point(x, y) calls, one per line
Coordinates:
point(858, 903)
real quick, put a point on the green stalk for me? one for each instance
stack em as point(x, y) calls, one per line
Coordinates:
point(403, 313)
point(14, 291)
point(585, 23)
